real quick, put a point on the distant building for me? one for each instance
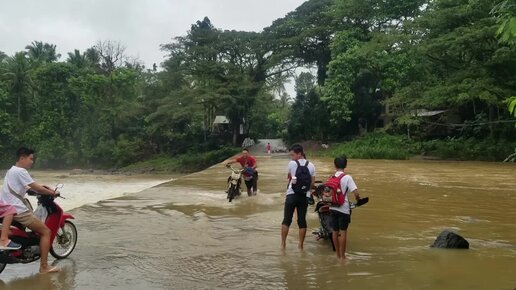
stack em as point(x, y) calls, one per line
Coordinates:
point(222, 126)
point(433, 122)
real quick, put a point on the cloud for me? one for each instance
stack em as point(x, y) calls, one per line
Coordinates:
point(140, 25)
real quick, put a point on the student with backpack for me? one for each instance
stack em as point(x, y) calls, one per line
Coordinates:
point(301, 174)
point(340, 186)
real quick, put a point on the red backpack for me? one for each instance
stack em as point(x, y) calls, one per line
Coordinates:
point(332, 193)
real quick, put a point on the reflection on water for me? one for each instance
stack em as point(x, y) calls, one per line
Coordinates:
point(28, 277)
point(185, 235)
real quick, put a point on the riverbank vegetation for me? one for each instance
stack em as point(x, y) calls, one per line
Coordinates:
point(434, 76)
point(385, 146)
point(184, 163)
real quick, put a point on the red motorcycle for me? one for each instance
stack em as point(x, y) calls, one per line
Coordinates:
point(63, 233)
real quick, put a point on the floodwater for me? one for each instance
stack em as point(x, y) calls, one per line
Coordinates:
point(183, 234)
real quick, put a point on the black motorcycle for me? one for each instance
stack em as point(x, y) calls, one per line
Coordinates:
point(325, 230)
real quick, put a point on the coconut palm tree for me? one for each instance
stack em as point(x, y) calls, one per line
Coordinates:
point(3, 56)
point(17, 75)
point(77, 59)
point(39, 52)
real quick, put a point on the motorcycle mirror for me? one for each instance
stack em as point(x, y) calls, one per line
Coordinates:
point(59, 186)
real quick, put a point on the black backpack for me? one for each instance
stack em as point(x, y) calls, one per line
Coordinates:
point(304, 179)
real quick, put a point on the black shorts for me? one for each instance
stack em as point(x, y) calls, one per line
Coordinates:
point(253, 183)
point(340, 221)
point(293, 202)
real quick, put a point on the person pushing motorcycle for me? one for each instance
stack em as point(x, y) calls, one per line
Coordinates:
point(17, 181)
point(250, 173)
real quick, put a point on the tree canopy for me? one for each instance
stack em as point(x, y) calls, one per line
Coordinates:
point(359, 65)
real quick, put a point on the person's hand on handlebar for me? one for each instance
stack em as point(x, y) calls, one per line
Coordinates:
point(55, 192)
point(41, 189)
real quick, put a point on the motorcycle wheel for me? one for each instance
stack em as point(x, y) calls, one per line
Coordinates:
point(2, 267)
point(232, 193)
point(65, 241)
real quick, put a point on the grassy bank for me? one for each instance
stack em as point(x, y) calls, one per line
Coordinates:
point(185, 163)
point(383, 146)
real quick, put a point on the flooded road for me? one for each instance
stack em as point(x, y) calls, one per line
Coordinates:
point(81, 189)
point(185, 235)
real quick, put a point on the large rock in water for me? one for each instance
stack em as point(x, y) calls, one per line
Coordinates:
point(450, 240)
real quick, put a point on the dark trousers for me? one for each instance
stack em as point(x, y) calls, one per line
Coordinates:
point(293, 202)
point(253, 182)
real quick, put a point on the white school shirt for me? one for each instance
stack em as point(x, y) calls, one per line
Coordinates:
point(347, 185)
point(292, 167)
point(18, 179)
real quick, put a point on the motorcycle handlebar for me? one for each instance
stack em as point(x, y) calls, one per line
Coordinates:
point(34, 193)
point(233, 169)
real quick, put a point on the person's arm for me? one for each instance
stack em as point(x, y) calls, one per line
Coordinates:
point(291, 171)
point(41, 189)
point(310, 193)
point(313, 177)
point(353, 188)
point(255, 164)
point(27, 180)
point(230, 162)
point(357, 195)
point(292, 167)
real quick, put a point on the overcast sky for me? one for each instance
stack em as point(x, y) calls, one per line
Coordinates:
point(140, 25)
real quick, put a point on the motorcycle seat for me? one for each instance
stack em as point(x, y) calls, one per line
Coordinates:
point(324, 209)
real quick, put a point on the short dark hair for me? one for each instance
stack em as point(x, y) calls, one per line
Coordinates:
point(297, 149)
point(23, 152)
point(341, 162)
point(245, 149)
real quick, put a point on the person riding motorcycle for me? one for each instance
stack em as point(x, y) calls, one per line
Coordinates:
point(16, 182)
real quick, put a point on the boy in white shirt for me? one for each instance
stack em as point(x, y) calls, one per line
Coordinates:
point(341, 216)
point(16, 182)
point(297, 201)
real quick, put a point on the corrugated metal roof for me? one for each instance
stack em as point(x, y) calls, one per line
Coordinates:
point(221, 120)
point(425, 113)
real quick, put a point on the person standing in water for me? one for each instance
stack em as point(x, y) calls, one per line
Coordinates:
point(250, 173)
point(301, 174)
point(341, 215)
point(268, 148)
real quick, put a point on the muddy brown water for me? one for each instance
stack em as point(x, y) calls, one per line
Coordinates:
point(185, 235)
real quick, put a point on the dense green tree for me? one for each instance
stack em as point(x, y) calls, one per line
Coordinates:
point(506, 12)
point(303, 37)
point(102, 108)
point(16, 75)
point(415, 56)
point(226, 71)
point(308, 119)
point(463, 67)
